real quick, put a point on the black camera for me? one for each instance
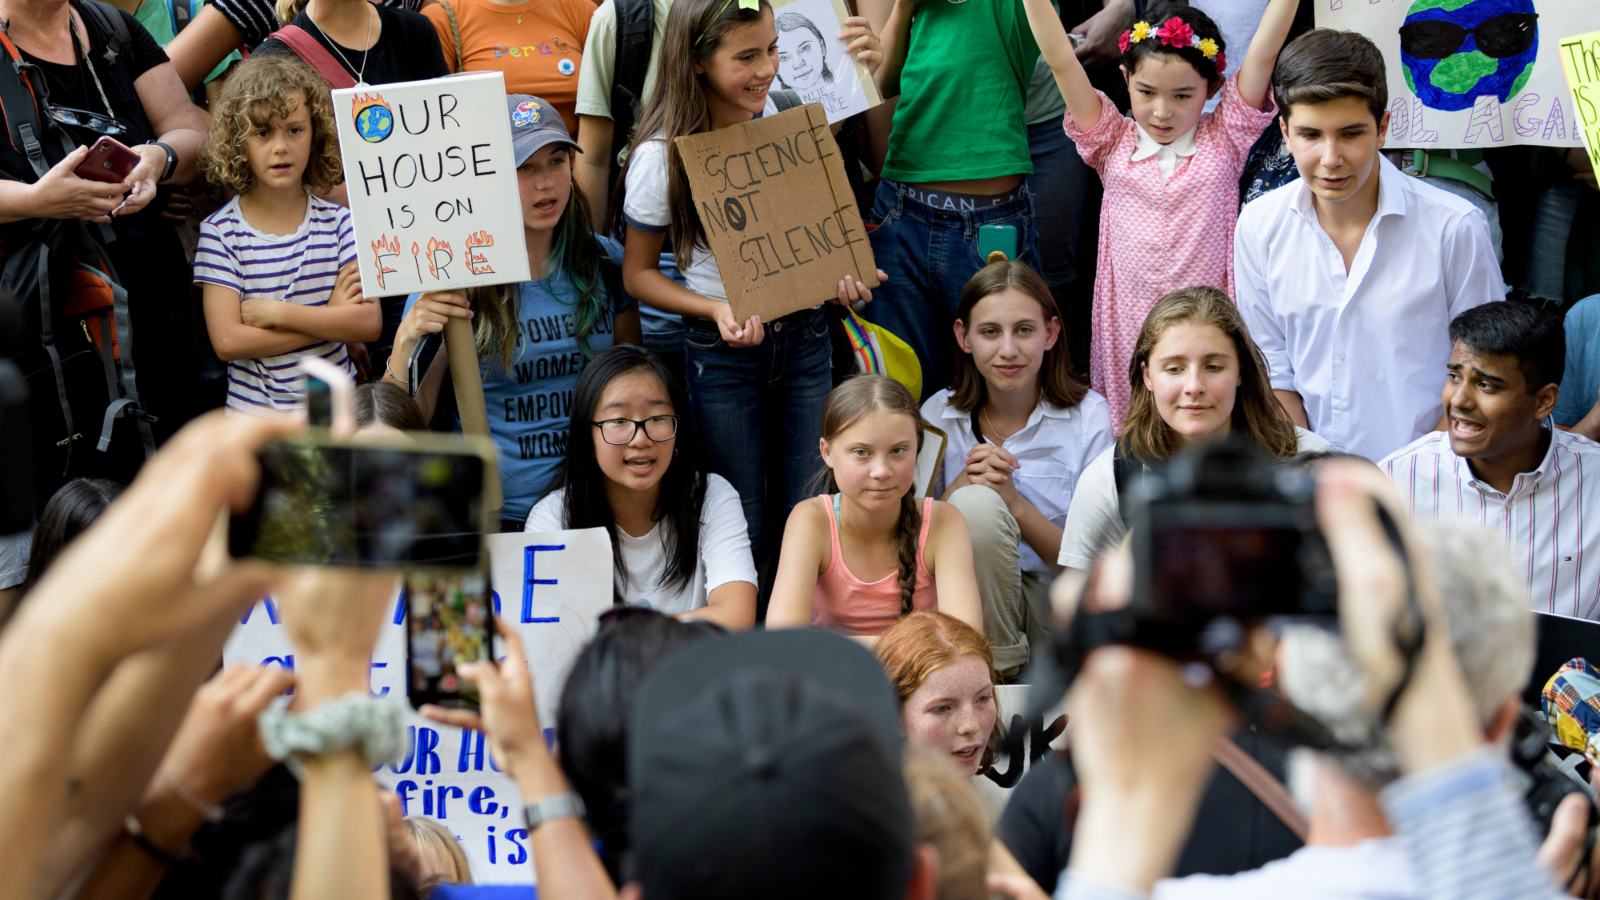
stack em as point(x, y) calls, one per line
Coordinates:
point(1224, 533)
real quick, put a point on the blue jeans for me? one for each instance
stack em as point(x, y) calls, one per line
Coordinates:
point(929, 255)
point(758, 411)
point(1059, 183)
point(1547, 243)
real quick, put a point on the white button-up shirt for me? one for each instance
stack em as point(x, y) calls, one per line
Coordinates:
point(1054, 448)
point(1542, 517)
point(1366, 350)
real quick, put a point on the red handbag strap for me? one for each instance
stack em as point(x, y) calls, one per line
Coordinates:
point(311, 51)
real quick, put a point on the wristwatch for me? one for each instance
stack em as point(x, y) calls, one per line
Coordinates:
point(172, 160)
point(555, 806)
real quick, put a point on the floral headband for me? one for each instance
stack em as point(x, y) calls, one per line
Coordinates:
point(1175, 32)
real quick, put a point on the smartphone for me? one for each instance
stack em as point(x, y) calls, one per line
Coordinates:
point(337, 503)
point(449, 621)
point(108, 161)
point(994, 239)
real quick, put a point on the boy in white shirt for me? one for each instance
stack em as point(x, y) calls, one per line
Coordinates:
point(1349, 277)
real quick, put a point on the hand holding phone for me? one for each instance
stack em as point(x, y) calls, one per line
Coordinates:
point(449, 622)
point(108, 161)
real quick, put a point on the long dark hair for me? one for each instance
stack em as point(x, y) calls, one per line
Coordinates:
point(682, 488)
point(70, 512)
point(851, 402)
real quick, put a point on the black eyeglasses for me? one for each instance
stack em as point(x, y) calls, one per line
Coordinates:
point(1499, 37)
point(622, 431)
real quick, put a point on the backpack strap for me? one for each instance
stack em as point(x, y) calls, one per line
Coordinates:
point(636, 28)
point(47, 315)
point(128, 401)
point(313, 54)
point(455, 32)
point(112, 25)
point(21, 107)
point(1125, 468)
point(1263, 784)
point(785, 99)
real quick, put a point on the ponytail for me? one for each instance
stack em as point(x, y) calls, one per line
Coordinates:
point(289, 10)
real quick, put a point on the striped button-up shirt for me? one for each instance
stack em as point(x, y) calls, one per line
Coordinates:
point(1542, 516)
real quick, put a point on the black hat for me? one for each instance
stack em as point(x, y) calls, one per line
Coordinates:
point(767, 764)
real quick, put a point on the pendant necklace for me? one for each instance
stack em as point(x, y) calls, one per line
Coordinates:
point(361, 80)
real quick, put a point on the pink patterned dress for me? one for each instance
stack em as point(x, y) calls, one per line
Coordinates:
point(1160, 235)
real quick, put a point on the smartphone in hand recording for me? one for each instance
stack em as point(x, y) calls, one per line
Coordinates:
point(341, 503)
point(108, 161)
point(449, 621)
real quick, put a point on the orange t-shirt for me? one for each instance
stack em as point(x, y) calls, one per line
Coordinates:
point(538, 45)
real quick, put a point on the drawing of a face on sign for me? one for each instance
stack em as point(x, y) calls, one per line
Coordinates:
point(802, 55)
point(1455, 51)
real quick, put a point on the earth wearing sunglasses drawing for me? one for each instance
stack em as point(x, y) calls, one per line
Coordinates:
point(1455, 51)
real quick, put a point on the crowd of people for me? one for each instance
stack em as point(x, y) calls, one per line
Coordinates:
point(1206, 240)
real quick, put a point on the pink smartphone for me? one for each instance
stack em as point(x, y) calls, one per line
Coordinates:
point(108, 161)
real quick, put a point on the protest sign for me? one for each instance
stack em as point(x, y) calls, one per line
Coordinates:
point(1472, 74)
point(433, 191)
point(552, 587)
point(778, 212)
point(812, 60)
point(1580, 57)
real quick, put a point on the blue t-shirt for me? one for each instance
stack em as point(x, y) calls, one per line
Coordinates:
point(530, 404)
point(1580, 382)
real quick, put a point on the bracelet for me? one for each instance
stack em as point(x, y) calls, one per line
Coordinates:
point(135, 833)
point(212, 812)
point(356, 720)
point(404, 382)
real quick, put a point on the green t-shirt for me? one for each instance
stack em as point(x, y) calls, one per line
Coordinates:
point(962, 92)
point(156, 17)
point(599, 71)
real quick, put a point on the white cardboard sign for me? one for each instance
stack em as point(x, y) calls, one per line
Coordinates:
point(1468, 98)
point(812, 60)
point(433, 191)
point(552, 586)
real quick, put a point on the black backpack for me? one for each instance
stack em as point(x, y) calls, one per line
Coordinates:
point(636, 26)
point(61, 273)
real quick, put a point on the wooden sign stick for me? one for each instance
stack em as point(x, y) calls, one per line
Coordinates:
point(469, 395)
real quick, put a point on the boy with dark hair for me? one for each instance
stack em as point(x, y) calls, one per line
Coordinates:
point(1349, 276)
point(1499, 464)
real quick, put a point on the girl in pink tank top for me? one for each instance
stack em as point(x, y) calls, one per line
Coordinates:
point(871, 522)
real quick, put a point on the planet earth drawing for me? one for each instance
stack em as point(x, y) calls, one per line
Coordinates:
point(1455, 51)
point(374, 123)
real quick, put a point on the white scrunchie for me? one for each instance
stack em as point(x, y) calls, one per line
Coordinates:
point(376, 727)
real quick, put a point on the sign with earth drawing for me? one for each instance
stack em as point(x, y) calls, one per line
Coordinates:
point(1472, 74)
point(433, 192)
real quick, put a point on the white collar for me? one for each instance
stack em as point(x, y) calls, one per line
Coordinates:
point(1166, 154)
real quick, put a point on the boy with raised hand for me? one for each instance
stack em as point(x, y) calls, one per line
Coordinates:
point(1349, 277)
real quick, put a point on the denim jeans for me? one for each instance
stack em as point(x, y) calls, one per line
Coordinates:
point(1547, 243)
point(758, 411)
point(929, 255)
point(1059, 183)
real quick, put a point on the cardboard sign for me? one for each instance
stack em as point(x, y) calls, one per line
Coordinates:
point(812, 60)
point(433, 192)
point(552, 587)
point(778, 212)
point(1501, 84)
point(1580, 58)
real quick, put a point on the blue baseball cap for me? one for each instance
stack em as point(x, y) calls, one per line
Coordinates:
point(534, 124)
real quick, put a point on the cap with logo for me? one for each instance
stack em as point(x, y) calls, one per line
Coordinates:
point(534, 125)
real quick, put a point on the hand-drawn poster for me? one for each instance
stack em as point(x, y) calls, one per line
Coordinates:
point(1580, 55)
point(433, 192)
point(1472, 73)
point(812, 60)
point(552, 587)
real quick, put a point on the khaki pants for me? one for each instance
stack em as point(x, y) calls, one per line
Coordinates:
point(1016, 604)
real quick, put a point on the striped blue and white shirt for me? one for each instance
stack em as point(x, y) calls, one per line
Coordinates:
point(1542, 516)
point(297, 268)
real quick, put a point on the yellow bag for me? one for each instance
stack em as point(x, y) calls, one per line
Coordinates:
point(879, 352)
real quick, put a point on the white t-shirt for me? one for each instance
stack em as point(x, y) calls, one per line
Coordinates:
point(645, 208)
point(724, 554)
point(1053, 448)
point(1374, 869)
point(1095, 520)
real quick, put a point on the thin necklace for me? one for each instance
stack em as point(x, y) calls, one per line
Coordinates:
point(366, 43)
point(994, 433)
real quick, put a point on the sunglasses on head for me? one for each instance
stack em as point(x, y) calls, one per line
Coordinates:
point(1499, 37)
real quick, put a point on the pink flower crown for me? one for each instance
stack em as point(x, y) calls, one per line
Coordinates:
point(1175, 32)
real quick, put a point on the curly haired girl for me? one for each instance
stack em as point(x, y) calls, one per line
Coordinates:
point(1171, 170)
point(277, 264)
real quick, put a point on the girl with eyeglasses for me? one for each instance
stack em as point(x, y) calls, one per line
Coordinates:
point(678, 538)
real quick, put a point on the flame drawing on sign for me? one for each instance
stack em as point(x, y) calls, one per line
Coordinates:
point(477, 263)
point(382, 249)
point(434, 246)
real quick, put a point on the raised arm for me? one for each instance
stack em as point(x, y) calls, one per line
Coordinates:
point(896, 38)
point(1082, 101)
point(1254, 77)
